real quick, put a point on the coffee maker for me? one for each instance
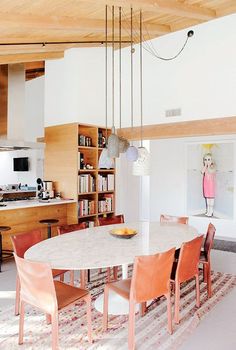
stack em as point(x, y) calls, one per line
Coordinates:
point(45, 189)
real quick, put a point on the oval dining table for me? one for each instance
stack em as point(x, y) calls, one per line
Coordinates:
point(95, 247)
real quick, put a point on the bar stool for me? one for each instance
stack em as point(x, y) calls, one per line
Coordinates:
point(49, 222)
point(6, 253)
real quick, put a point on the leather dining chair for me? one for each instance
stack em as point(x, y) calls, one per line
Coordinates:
point(71, 228)
point(111, 220)
point(23, 242)
point(150, 279)
point(205, 258)
point(174, 219)
point(39, 290)
point(185, 269)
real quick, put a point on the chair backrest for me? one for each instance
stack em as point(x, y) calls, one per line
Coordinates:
point(176, 219)
point(111, 220)
point(151, 276)
point(209, 240)
point(24, 241)
point(189, 259)
point(37, 287)
point(70, 228)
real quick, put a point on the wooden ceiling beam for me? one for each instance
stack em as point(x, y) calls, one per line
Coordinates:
point(26, 57)
point(204, 127)
point(169, 7)
point(54, 23)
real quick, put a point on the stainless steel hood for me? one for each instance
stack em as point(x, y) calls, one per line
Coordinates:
point(19, 135)
point(14, 145)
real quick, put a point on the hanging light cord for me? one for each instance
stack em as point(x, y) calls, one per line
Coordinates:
point(113, 70)
point(131, 71)
point(120, 58)
point(141, 77)
point(148, 45)
point(106, 112)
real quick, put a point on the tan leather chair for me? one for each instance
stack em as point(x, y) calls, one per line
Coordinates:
point(71, 228)
point(205, 258)
point(185, 269)
point(23, 242)
point(39, 290)
point(111, 220)
point(151, 279)
point(176, 219)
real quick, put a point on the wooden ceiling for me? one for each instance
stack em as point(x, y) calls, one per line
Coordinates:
point(30, 23)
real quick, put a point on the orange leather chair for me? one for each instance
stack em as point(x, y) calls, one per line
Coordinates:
point(150, 279)
point(205, 258)
point(111, 220)
point(176, 219)
point(70, 228)
point(185, 269)
point(23, 242)
point(39, 290)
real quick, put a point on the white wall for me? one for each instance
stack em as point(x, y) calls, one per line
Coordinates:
point(201, 81)
point(168, 183)
point(34, 108)
point(8, 176)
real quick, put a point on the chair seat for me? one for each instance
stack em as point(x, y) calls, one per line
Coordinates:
point(56, 273)
point(67, 294)
point(121, 287)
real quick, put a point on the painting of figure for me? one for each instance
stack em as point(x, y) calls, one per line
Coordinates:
point(210, 180)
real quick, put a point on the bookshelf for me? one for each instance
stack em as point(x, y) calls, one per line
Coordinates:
point(96, 187)
point(71, 162)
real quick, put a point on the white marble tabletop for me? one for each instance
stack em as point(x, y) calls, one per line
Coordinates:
point(30, 203)
point(96, 248)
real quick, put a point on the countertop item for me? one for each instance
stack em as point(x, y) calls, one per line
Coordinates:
point(30, 203)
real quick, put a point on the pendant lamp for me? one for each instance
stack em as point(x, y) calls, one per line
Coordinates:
point(142, 164)
point(113, 140)
point(105, 162)
point(123, 143)
point(132, 151)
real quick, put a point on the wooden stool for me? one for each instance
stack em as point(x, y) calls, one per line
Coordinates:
point(6, 253)
point(49, 222)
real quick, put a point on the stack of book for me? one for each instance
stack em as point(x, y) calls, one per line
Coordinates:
point(86, 183)
point(105, 204)
point(86, 207)
point(106, 182)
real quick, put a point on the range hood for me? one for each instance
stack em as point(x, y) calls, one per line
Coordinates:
point(15, 133)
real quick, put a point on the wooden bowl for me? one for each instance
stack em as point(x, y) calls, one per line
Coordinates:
point(124, 233)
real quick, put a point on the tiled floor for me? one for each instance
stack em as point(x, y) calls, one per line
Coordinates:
point(215, 332)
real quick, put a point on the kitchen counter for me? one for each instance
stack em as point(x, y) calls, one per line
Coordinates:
point(31, 203)
point(25, 216)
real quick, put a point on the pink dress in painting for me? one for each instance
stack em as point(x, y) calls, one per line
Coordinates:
point(209, 180)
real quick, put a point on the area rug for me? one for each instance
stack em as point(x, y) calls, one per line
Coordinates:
point(150, 330)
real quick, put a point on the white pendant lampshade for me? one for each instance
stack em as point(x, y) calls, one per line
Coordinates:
point(123, 145)
point(132, 154)
point(142, 165)
point(113, 145)
point(105, 162)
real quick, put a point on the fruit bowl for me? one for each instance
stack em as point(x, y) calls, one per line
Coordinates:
point(125, 232)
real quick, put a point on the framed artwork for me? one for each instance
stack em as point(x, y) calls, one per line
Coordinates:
point(210, 180)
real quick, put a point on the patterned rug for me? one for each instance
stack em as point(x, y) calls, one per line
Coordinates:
point(151, 330)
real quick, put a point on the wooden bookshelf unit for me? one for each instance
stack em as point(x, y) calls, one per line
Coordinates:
point(71, 162)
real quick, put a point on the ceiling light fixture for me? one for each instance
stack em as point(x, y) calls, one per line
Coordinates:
point(113, 140)
point(132, 151)
point(141, 165)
